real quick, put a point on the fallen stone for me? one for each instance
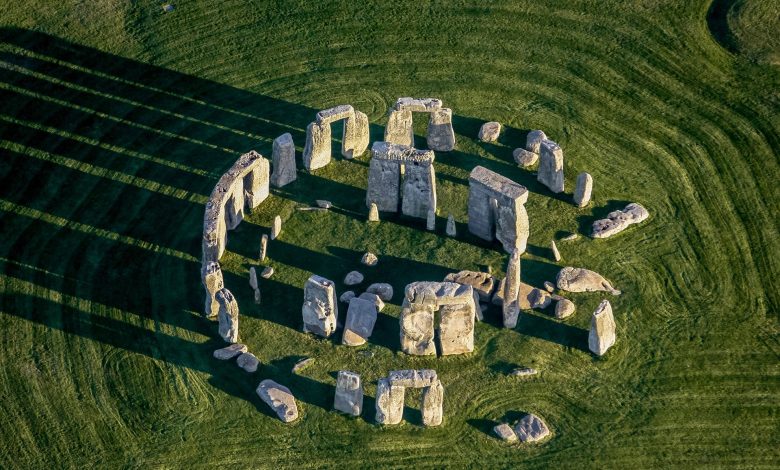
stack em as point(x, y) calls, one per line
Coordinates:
point(550, 171)
point(433, 404)
point(263, 247)
point(531, 429)
point(389, 402)
point(556, 254)
point(347, 296)
point(324, 204)
point(349, 393)
point(505, 432)
point(380, 305)
point(283, 158)
point(383, 290)
point(583, 280)
point(369, 259)
point(303, 363)
point(617, 221)
point(483, 283)
point(414, 378)
point(523, 372)
point(267, 272)
point(489, 131)
point(230, 352)
point(279, 398)
point(564, 308)
point(248, 362)
point(228, 316)
point(373, 213)
point(419, 186)
point(276, 228)
point(583, 189)
point(353, 278)
point(361, 318)
point(602, 329)
point(549, 286)
point(571, 237)
point(320, 309)
point(525, 158)
point(533, 141)
point(539, 298)
point(451, 231)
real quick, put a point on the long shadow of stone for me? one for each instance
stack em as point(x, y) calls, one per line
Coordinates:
point(585, 221)
point(532, 324)
point(718, 24)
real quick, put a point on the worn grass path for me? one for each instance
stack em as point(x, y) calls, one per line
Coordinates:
point(116, 121)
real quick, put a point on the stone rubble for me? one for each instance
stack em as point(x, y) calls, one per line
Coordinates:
point(349, 393)
point(570, 237)
point(489, 131)
point(524, 158)
point(602, 329)
point(505, 432)
point(583, 280)
point(583, 189)
point(483, 283)
point(267, 272)
point(279, 398)
point(617, 221)
point(283, 161)
point(320, 309)
point(523, 372)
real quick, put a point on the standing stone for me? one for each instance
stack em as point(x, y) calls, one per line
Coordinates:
point(456, 329)
point(384, 177)
point(430, 222)
point(419, 188)
point(524, 158)
point(441, 136)
point(211, 276)
point(234, 207)
point(389, 402)
point(349, 393)
point(248, 362)
point(228, 316)
point(583, 280)
point(276, 228)
point(416, 320)
point(279, 398)
point(373, 213)
point(316, 153)
point(510, 307)
point(602, 329)
point(583, 189)
point(361, 318)
point(433, 404)
point(531, 429)
point(451, 231)
point(617, 221)
point(263, 247)
point(283, 157)
point(256, 181)
point(320, 309)
point(489, 131)
point(355, 137)
point(399, 129)
point(551, 166)
point(556, 254)
point(564, 308)
point(534, 140)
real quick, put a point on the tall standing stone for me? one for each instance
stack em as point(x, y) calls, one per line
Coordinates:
point(384, 176)
point(355, 141)
point(283, 157)
point(550, 171)
point(510, 307)
point(456, 329)
point(320, 306)
point(349, 393)
point(602, 329)
point(316, 153)
point(263, 247)
point(276, 228)
point(213, 282)
point(441, 136)
point(496, 209)
point(451, 226)
point(419, 188)
point(433, 404)
point(389, 402)
point(361, 318)
point(583, 189)
point(228, 316)
point(253, 284)
point(399, 129)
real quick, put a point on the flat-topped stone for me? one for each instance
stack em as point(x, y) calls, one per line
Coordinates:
point(400, 153)
point(230, 352)
point(505, 432)
point(483, 283)
point(421, 105)
point(445, 293)
point(499, 184)
point(361, 318)
point(602, 329)
point(327, 116)
point(415, 378)
point(617, 221)
point(279, 398)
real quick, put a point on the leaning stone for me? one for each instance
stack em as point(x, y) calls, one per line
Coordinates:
point(324, 204)
point(320, 309)
point(564, 308)
point(602, 329)
point(523, 372)
point(383, 290)
point(303, 363)
point(489, 131)
point(550, 171)
point(525, 158)
point(483, 283)
point(534, 141)
point(349, 393)
point(583, 189)
point(252, 278)
point(279, 398)
point(380, 305)
point(549, 286)
point(347, 296)
point(283, 157)
point(263, 247)
point(504, 432)
point(617, 221)
point(451, 231)
point(556, 254)
point(267, 272)
point(361, 318)
point(389, 402)
point(369, 259)
point(441, 136)
point(230, 352)
point(430, 221)
point(583, 280)
point(373, 213)
point(248, 362)
point(353, 278)
point(433, 404)
point(228, 316)
point(531, 429)
point(276, 228)
point(414, 378)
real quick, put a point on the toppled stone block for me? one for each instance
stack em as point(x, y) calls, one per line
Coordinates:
point(505, 432)
point(228, 316)
point(583, 189)
point(550, 171)
point(525, 158)
point(564, 308)
point(523, 372)
point(583, 280)
point(283, 157)
point(617, 221)
point(433, 404)
point(230, 352)
point(533, 141)
point(369, 259)
point(489, 131)
point(531, 429)
point(361, 318)
point(303, 363)
point(441, 136)
point(483, 283)
point(383, 290)
point(353, 278)
point(389, 402)
point(414, 378)
point(248, 362)
point(280, 399)
point(349, 393)
point(602, 329)
point(213, 282)
point(320, 309)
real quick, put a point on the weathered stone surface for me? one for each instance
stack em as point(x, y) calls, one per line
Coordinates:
point(384, 175)
point(458, 309)
point(320, 309)
point(419, 188)
point(267, 272)
point(256, 182)
point(213, 282)
point(539, 298)
point(389, 402)
point(525, 158)
point(248, 362)
point(263, 247)
point(302, 364)
point(556, 254)
point(316, 152)
point(383, 290)
point(430, 222)
point(583, 189)
point(489, 131)
point(336, 113)
point(549, 286)
point(347, 296)
point(252, 278)
point(276, 228)
point(369, 259)
point(373, 213)
point(534, 140)
point(523, 372)
point(602, 329)
point(583, 280)
point(564, 308)
point(617, 221)
point(230, 352)
point(505, 432)
point(228, 316)
point(353, 278)
point(280, 399)
point(451, 230)
point(570, 237)
point(498, 294)
point(531, 429)
point(416, 322)
point(438, 293)
point(413, 378)
point(373, 298)
point(495, 209)
point(349, 393)
point(356, 136)
point(420, 105)
point(441, 136)
point(456, 330)
point(551, 166)
point(399, 128)
point(483, 283)
point(361, 318)
point(432, 407)
point(323, 204)
point(510, 308)
point(283, 157)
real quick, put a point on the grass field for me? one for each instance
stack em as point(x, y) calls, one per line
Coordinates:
point(117, 119)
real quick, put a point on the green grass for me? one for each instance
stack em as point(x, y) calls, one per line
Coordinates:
point(117, 119)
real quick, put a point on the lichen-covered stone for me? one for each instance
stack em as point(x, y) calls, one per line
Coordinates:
point(228, 316)
point(550, 171)
point(389, 402)
point(361, 318)
point(496, 209)
point(583, 189)
point(280, 399)
point(316, 152)
point(432, 406)
point(583, 280)
point(413, 378)
point(617, 221)
point(602, 329)
point(489, 131)
point(283, 157)
point(531, 428)
point(349, 393)
point(524, 158)
point(320, 309)
point(399, 128)
point(369, 259)
point(456, 330)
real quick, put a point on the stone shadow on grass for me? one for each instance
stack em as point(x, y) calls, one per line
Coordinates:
point(532, 323)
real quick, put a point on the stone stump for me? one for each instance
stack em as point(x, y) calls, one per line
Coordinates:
point(583, 189)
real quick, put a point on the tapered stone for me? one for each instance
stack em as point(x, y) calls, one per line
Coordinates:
point(583, 189)
point(283, 157)
point(602, 329)
point(349, 393)
point(276, 228)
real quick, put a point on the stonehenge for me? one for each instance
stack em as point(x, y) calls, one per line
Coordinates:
point(320, 308)
point(283, 161)
point(583, 280)
point(617, 221)
point(228, 316)
point(550, 171)
point(390, 396)
point(524, 158)
point(399, 129)
point(489, 131)
point(510, 309)
point(583, 189)
point(451, 230)
point(211, 276)
point(416, 193)
point(361, 318)
point(280, 399)
point(529, 429)
point(455, 303)
point(602, 329)
point(533, 141)
point(349, 393)
point(496, 209)
point(317, 152)
point(229, 352)
point(373, 213)
point(483, 283)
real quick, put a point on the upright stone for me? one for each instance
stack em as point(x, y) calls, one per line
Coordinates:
point(602, 329)
point(279, 398)
point(416, 320)
point(228, 316)
point(489, 131)
point(433, 404)
point(234, 207)
point(534, 140)
point(320, 308)
point(441, 136)
point(276, 228)
point(399, 129)
point(355, 141)
point(451, 231)
point(583, 189)
point(510, 307)
point(361, 318)
point(316, 153)
point(373, 213)
point(456, 329)
point(551, 166)
point(389, 402)
point(384, 176)
point(419, 188)
point(256, 181)
point(263, 246)
point(283, 157)
point(211, 276)
point(349, 393)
